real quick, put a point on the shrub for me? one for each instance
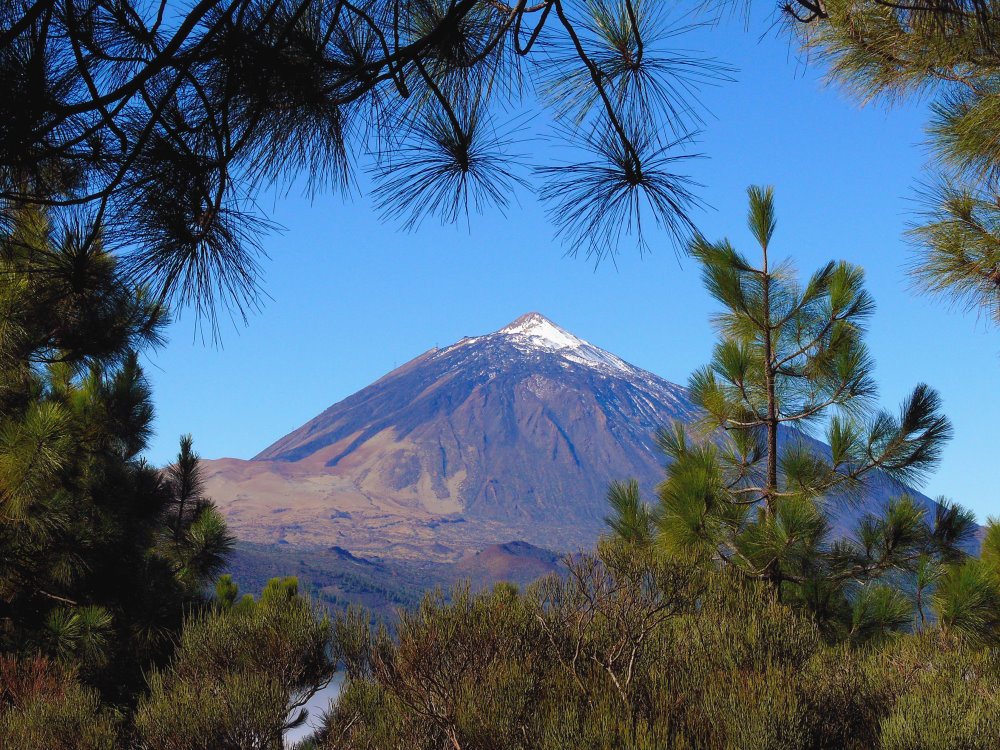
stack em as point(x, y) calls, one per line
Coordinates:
point(239, 674)
point(952, 701)
point(42, 705)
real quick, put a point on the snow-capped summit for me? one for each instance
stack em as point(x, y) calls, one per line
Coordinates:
point(542, 331)
point(534, 330)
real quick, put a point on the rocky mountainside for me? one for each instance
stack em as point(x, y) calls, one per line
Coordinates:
point(512, 435)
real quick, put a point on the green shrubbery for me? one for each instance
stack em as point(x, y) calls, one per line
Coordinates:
point(43, 705)
point(629, 650)
point(951, 698)
point(239, 673)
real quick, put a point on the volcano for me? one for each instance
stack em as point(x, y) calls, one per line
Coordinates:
point(511, 435)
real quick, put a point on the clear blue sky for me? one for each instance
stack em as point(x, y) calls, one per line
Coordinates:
point(353, 297)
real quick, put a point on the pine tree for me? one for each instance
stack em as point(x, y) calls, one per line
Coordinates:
point(752, 488)
point(166, 124)
point(195, 538)
point(888, 52)
point(96, 566)
point(966, 595)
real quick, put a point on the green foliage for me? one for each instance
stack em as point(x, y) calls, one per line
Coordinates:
point(240, 673)
point(606, 657)
point(952, 702)
point(97, 564)
point(466, 665)
point(195, 539)
point(968, 599)
point(990, 552)
point(79, 633)
point(629, 519)
point(956, 240)
point(226, 591)
point(630, 649)
point(43, 705)
point(749, 488)
point(879, 609)
point(603, 612)
point(891, 53)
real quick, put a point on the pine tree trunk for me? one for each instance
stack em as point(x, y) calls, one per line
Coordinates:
point(771, 418)
point(180, 516)
point(773, 572)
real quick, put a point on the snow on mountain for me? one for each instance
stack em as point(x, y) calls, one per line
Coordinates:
point(534, 331)
point(541, 331)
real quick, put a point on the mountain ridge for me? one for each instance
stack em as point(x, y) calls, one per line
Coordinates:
point(510, 435)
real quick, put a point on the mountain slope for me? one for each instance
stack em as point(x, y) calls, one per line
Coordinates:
point(512, 435)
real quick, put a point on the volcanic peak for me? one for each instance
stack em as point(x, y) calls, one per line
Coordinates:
point(533, 332)
point(542, 331)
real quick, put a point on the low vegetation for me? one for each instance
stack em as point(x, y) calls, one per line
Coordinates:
point(632, 649)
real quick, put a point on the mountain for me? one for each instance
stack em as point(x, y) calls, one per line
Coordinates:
point(511, 435)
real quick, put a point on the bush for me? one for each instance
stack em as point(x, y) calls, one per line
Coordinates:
point(952, 701)
point(629, 650)
point(42, 705)
point(240, 674)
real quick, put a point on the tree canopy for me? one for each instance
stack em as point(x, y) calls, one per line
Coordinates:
point(133, 140)
point(945, 53)
point(751, 487)
point(162, 126)
point(100, 553)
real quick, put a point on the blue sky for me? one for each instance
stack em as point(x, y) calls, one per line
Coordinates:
point(352, 297)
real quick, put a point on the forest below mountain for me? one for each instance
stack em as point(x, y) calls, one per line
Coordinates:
point(729, 606)
point(338, 579)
